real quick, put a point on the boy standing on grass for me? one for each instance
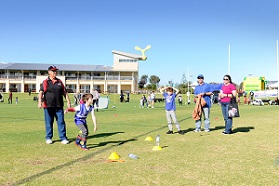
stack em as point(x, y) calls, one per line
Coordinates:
point(82, 112)
point(170, 95)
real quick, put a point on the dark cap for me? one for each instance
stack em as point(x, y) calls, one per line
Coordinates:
point(52, 68)
point(200, 76)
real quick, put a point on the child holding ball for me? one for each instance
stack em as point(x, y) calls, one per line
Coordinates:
point(82, 112)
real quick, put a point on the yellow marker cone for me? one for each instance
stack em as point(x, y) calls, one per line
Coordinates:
point(148, 138)
point(157, 148)
point(113, 156)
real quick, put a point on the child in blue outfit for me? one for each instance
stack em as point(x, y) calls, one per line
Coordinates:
point(82, 112)
point(170, 95)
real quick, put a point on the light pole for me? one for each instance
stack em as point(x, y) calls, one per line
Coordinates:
point(188, 92)
point(229, 60)
point(277, 66)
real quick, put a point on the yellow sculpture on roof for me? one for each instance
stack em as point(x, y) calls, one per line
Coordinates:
point(142, 51)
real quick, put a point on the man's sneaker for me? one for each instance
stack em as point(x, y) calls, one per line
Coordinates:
point(48, 141)
point(206, 130)
point(169, 132)
point(225, 133)
point(181, 132)
point(196, 130)
point(64, 142)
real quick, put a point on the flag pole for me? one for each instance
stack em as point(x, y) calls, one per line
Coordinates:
point(277, 65)
point(229, 60)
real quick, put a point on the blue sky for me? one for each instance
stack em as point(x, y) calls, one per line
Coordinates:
point(193, 34)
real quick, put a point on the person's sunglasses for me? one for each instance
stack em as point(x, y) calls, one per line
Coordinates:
point(225, 79)
point(200, 77)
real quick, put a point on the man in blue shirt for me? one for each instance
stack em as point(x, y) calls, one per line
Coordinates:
point(170, 95)
point(203, 89)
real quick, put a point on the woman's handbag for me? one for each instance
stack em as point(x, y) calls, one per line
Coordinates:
point(233, 108)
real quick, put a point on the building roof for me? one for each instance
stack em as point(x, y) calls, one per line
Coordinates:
point(134, 56)
point(64, 67)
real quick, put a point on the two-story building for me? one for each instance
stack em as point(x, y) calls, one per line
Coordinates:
point(123, 75)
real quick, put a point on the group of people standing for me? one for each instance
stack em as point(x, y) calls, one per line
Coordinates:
point(228, 91)
point(202, 95)
point(53, 90)
point(147, 101)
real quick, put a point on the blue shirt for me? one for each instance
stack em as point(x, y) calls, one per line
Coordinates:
point(169, 101)
point(204, 88)
point(81, 114)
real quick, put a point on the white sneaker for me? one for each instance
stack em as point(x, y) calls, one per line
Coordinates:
point(48, 141)
point(64, 142)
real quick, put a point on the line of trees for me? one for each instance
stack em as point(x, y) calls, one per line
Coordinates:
point(152, 83)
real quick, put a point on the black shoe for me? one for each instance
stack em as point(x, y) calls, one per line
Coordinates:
point(181, 132)
point(169, 132)
point(225, 133)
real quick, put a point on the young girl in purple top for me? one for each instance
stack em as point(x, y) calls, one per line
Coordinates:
point(228, 91)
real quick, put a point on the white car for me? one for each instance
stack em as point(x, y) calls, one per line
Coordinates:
point(258, 102)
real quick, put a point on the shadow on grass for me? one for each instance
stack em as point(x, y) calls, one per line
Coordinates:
point(116, 143)
point(165, 146)
point(236, 130)
point(217, 128)
point(101, 135)
point(242, 129)
point(188, 130)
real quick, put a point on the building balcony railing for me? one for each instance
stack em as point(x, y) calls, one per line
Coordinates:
point(30, 77)
point(98, 77)
point(13, 77)
point(70, 78)
point(112, 77)
point(126, 78)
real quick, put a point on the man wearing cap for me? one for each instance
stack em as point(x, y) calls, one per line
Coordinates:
point(203, 90)
point(52, 92)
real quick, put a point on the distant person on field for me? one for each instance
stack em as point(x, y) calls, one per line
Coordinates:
point(29, 91)
point(16, 100)
point(121, 96)
point(179, 100)
point(1, 96)
point(169, 95)
point(10, 99)
point(141, 105)
point(152, 99)
point(96, 97)
point(82, 112)
point(251, 96)
point(144, 101)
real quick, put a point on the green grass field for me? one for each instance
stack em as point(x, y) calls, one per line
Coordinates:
point(248, 157)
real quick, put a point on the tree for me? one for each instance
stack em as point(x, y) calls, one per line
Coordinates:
point(143, 81)
point(184, 80)
point(154, 80)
